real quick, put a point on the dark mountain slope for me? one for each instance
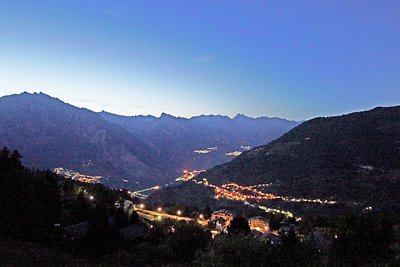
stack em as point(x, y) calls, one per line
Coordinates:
point(323, 146)
point(50, 133)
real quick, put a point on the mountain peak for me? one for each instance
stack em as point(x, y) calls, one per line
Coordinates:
point(241, 117)
point(27, 97)
point(167, 116)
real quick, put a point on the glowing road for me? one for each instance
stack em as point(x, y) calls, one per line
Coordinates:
point(157, 216)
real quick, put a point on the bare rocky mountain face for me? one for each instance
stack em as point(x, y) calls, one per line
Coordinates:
point(50, 134)
point(131, 152)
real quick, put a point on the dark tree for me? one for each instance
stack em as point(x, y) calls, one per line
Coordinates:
point(239, 226)
point(207, 211)
point(134, 218)
point(80, 208)
point(186, 240)
point(275, 221)
point(121, 218)
point(292, 252)
point(362, 239)
point(101, 238)
point(30, 200)
point(236, 250)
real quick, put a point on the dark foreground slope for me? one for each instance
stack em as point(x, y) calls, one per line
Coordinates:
point(46, 220)
point(353, 158)
point(50, 133)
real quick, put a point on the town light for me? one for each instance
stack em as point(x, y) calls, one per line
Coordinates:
point(179, 212)
point(201, 216)
point(141, 206)
point(159, 209)
point(91, 197)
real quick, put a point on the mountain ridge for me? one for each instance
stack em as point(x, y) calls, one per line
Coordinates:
point(187, 142)
point(53, 134)
point(165, 114)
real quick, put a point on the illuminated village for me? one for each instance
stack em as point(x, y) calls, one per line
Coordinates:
point(218, 221)
point(69, 174)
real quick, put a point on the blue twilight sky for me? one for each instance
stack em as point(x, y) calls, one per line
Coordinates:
point(292, 59)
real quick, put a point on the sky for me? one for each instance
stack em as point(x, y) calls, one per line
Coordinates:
point(290, 59)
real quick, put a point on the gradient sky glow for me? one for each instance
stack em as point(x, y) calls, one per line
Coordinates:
point(292, 59)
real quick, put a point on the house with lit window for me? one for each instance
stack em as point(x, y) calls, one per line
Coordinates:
point(220, 220)
point(259, 223)
point(224, 214)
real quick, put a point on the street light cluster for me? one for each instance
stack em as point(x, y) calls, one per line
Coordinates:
point(230, 191)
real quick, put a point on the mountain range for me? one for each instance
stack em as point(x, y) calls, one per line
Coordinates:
point(201, 142)
point(131, 152)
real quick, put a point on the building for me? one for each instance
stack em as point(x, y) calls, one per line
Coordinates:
point(220, 224)
point(220, 220)
point(259, 223)
point(224, 214)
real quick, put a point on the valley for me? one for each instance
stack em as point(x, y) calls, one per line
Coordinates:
point(311, 174)
point(200, 133)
